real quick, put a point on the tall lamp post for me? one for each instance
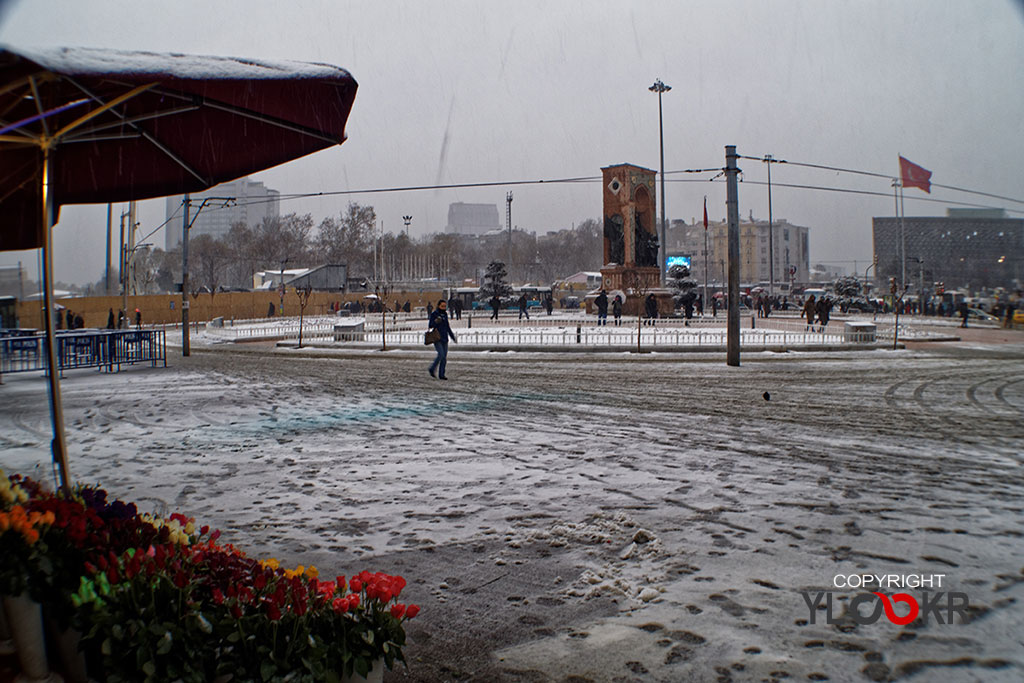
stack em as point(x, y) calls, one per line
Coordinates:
point(407, 220)
point(769, 159)
point(660, 88)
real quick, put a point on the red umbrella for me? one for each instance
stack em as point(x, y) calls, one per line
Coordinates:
point(87, 126)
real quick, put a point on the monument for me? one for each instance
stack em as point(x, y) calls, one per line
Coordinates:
point(631, 248)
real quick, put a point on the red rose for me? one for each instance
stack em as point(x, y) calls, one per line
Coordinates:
point(353, 601)
point(356, 585)
point(340, 605)
point(397, 610)
point(412, 611)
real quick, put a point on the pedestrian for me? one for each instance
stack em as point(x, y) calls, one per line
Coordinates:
point(110, 319)
point(438, 320)
point(138, 319)
point(1008, 320)
point(549, 304)
point(700, 306)
point(270, 310)
point(69, 316)
point(120, 318)
point(458, 308)
point(964, 312)
point(523, 307)
point(601, 302)
point(495, 303)
point(79, 322)
point(714, 307)
point(406, 307)
point(688, 309)
point(617, 310)
point(823, 308)
point(808, 312)
point(651, 309)
point(430, 308)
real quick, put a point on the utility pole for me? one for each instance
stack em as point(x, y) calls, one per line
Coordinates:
point(705, 303)
point(508, 224)
point(132, 212)
point(122, 271)
point(733, 212)
point(106, 278)
point(185, 225)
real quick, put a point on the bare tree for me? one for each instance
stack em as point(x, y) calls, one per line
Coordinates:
point(348, 239)
point(633, 281)
point(211, 259)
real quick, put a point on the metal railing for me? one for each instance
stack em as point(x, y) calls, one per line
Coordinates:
point(103, 349)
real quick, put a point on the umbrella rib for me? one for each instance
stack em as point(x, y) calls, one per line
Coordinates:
point(319, 135)
point(39, 105)
point(248, 113)
point(104, 106)
point(156, 143)
point(130, 121)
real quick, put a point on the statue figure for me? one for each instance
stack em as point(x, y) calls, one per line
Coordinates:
point(616, 238)
point(646, 245)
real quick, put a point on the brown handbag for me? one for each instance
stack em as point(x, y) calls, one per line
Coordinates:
point(432, 336)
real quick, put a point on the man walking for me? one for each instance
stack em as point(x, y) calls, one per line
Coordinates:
point(522, 307)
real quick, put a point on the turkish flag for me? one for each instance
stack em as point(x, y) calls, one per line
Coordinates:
point(915, 176)
point(705, 213)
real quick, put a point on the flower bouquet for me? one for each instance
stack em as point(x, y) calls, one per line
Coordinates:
point(161, 599)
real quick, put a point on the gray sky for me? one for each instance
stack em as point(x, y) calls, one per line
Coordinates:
point(454, 92)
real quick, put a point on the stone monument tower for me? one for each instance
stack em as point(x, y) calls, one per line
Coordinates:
point(631, 249)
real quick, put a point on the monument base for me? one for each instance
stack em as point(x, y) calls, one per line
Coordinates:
point(635, 284)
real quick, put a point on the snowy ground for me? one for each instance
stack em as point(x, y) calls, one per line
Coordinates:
point(574, 517)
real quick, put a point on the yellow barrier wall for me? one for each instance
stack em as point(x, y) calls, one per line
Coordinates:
point(166, 308)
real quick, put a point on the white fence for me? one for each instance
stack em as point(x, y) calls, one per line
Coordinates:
point(565, 331)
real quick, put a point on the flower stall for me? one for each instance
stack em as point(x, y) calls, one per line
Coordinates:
point(130, 596)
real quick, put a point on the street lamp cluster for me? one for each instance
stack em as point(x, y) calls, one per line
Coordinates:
point(660, 88)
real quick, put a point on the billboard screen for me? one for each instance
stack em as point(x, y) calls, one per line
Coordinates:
point(676, 261)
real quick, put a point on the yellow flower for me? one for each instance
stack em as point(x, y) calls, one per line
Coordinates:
point(271, 563)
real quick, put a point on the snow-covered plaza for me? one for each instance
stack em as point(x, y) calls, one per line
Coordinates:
point(595, 517)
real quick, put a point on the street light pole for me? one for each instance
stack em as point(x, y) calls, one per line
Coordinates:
point(768, 159)
point(660, 88)
point(408, 220)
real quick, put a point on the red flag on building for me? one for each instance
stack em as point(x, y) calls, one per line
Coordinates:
point(915, 176)
point(705, 213)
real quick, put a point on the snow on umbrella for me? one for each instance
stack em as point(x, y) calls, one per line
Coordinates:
point(85, 126)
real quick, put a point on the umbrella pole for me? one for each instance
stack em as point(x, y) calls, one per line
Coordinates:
point(58, 445)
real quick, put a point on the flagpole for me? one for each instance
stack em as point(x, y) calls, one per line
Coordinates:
point(903, 242)
point(896, 214)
